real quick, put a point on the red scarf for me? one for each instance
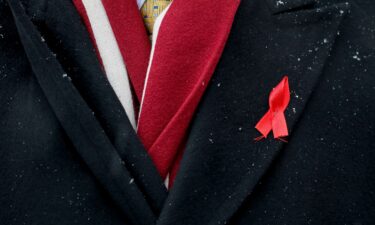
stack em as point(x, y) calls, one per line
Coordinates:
point(189, 44)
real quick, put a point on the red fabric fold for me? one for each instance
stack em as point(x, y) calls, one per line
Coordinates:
point(190, 42)
point(131, 36)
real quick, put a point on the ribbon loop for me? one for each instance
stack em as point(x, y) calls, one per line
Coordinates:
point(274, 119)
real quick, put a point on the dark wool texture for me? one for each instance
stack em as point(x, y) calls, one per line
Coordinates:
point(68, 154)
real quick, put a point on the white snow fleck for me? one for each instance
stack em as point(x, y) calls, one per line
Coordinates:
point(131, 181)
point(296, 95)
point(279, 3)
point(66, 76)
point(356, 56)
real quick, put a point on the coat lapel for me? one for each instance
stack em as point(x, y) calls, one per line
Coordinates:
point(222, 163)
point(105, 141)
point(81, 63)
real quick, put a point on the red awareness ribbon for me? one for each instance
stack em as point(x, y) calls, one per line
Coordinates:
point(274, 119)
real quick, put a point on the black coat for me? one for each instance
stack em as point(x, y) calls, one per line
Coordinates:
point(68, 154)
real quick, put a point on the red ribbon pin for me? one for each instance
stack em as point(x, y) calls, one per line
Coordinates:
point(274, 119)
